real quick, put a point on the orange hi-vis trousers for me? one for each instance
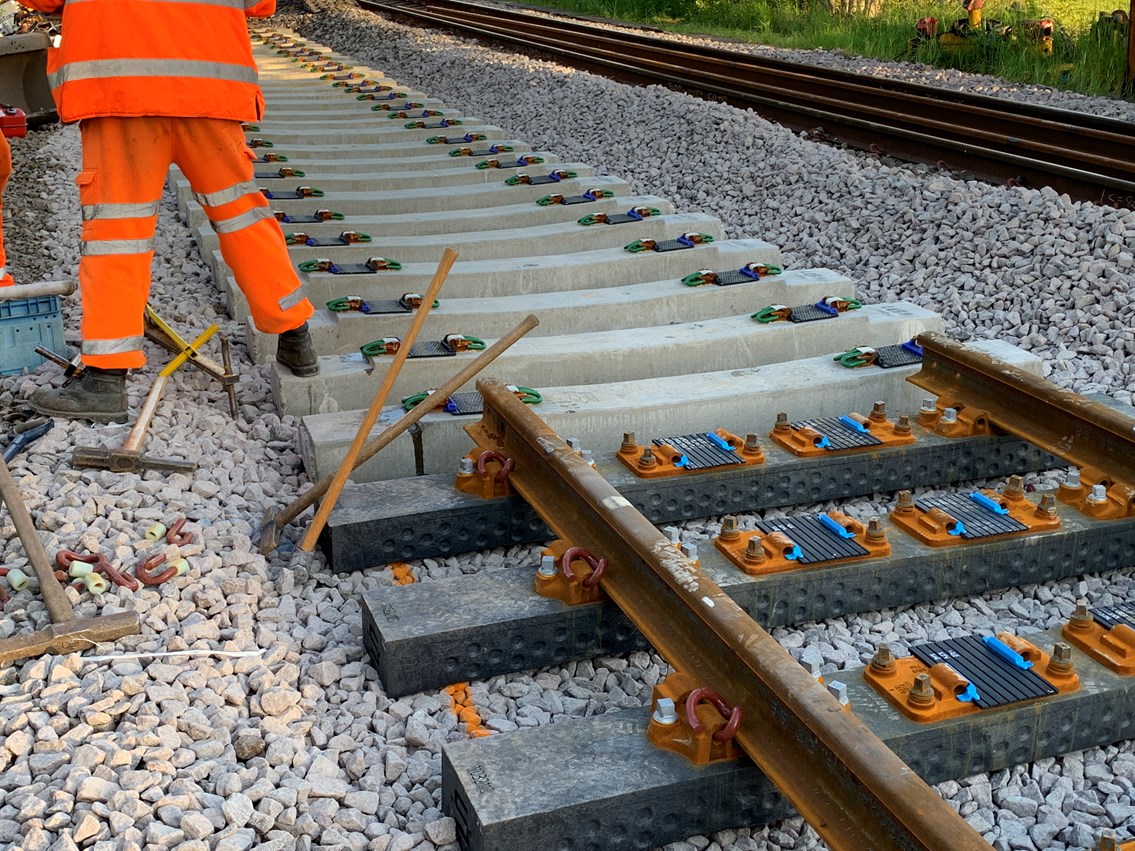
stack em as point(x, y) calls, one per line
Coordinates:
point(6, 279)
point(125, 163)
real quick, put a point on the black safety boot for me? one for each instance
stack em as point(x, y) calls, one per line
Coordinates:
point(294, 350)
point(98, 395)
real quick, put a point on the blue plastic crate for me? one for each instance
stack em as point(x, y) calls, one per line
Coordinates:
point(24, 324)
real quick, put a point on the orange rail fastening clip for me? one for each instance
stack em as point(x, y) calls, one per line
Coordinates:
point(569, 574)
point(693, 721)
point(661, 459)
point(1104, 500)
point(939, 528)
point(875, 430)
point(933, 693)
point(484, 473)
point(954, 421)
point(1113, 648)
point(758, 553)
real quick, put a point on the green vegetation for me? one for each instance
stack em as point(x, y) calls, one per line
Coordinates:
point(1083, 54)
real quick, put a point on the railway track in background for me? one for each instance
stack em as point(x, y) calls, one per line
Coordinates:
point(1089, 158)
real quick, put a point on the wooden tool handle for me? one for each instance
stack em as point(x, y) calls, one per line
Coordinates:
point(54, 597)
point(448, 257)
point(430, 403)
point(138, 434)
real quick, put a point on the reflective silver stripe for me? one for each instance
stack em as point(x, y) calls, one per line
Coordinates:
point(242, 221)
point(102, 69)
point(122, 345)
point(120, 211)
point(227, 195)
point(102, 247)
point(3, 271)
point(291, 299)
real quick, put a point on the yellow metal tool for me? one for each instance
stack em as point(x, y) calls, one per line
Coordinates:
point(129, 459)
point(162, 333)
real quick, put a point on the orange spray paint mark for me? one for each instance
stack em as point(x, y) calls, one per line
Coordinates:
point(461, 702)
point(402, 574)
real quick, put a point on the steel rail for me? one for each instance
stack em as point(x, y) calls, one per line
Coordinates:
point(1096, 137)
point(849, 786)
point(1091, 158)
point(1079, 430)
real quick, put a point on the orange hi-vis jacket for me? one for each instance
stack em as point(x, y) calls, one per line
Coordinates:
point(171, 58)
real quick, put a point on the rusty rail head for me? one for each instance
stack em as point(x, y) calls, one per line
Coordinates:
point(1082, 432)
point(838, 774)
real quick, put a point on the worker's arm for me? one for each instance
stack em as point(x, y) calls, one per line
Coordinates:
point(48, 7)
point(255, 8)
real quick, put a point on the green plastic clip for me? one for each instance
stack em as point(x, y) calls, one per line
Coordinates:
point(772, 313)
point(857, 357)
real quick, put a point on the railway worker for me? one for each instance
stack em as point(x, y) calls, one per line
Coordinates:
point(153, 83)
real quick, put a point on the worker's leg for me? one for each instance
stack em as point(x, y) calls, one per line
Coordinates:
point(216, 160)
point(125, 161)
point(6, 279)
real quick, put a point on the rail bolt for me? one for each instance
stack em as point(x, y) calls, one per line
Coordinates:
point(875, 532)
point(647, 459)
point(883, 662)
point(949, 416)
point(1060, 663)
point(1047, 506)
point(878, 412)
point(754, 552)
point(1014, 488)
point(752, 445)
point(629, 443)
point(1098, 495)
point(664, 712)
point(782, 424)
point(729, 530)
point(547, 567)
point(1081, 617)
point(905, 504)
point(1072, 480)
point(813, 666)
point(903, 424)
point(922, 692)
point(465, 467)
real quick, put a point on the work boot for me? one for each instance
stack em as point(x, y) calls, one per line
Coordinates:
point(98, 395)
point(294, 350)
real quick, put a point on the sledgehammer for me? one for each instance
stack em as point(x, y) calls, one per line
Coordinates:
point(129, 459)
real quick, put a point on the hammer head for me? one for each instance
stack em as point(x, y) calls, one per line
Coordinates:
point(268, 534)
point(126, 461)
